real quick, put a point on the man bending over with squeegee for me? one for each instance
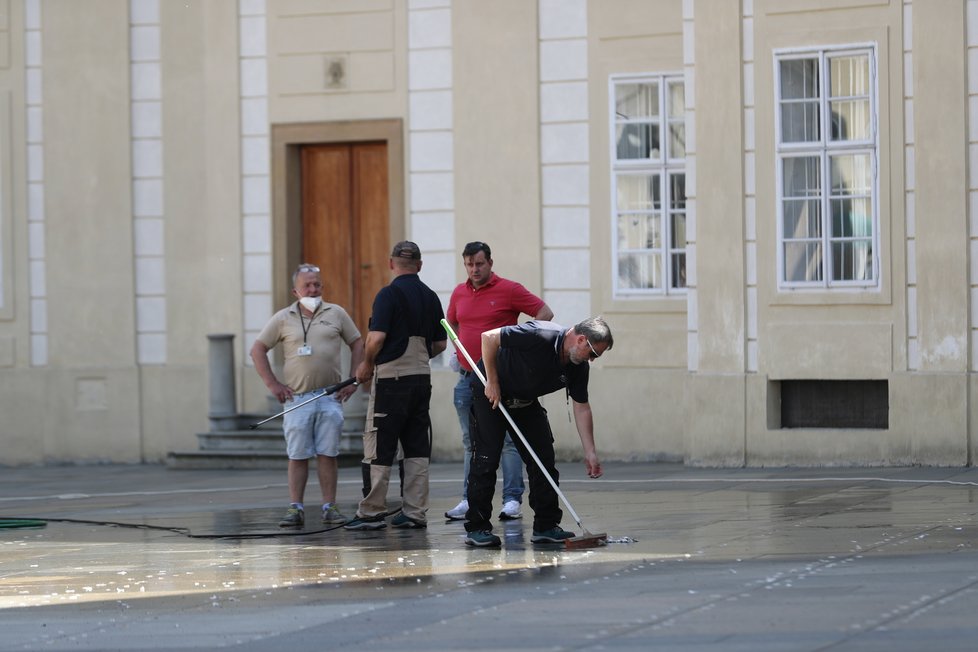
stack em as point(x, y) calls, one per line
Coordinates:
point(522, 363)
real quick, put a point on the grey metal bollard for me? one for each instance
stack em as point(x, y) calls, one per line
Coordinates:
point(223, 412)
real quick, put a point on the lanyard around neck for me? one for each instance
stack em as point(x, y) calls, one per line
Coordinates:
point(305, 329)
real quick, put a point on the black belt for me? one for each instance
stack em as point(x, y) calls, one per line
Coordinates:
point(516, 403)
point(465, 373)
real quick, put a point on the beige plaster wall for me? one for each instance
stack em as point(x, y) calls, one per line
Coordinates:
point(496, 136)
point(634, 389)
point(23, 391)
point(940, 128)
point(367, 37)
point(863, 334)
point(88, 233)
point(203, 232)
point(787, 317)
point(94, 403)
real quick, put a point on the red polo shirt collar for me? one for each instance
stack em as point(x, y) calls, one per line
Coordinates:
point(493, 279)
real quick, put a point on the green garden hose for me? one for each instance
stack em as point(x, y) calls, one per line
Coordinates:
point(13, 523)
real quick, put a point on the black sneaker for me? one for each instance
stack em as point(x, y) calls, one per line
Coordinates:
point(482, 539)
point(294, 517)
point(553, 535)
point(365, 524)
point(403, 521)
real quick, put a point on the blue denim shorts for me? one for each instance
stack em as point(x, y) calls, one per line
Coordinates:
point(313, 429)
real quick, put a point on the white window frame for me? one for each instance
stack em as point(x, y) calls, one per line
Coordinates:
point(824, 149)
point(666, 166)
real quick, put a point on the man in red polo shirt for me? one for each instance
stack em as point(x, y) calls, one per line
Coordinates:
point(484, 302)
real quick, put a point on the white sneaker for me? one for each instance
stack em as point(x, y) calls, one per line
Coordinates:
point(457, 513)
point(511, 511)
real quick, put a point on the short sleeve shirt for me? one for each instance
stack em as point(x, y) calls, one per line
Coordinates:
point(405, 308)
point(324, 332)
point(528, 363)
point(497, 303)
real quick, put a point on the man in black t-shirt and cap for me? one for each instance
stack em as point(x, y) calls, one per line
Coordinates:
point(405, 333)
point(522, 363)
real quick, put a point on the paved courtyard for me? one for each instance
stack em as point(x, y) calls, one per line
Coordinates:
point(145, 558)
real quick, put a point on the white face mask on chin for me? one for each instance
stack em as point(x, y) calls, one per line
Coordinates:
point(310, 303)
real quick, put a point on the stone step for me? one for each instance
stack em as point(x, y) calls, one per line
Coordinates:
point(243, 440)
point(245, 421)
point(242, 459)
point(266, 440)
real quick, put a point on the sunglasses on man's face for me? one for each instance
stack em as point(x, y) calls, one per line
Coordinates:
point(594, 354)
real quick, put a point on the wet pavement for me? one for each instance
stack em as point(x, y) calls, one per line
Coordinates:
point(145, 558)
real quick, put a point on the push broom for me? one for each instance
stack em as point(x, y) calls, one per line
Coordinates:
point(587, 539)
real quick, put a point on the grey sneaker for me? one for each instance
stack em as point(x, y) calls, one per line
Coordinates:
point(482, 539)
point(332, 516)
point(553, 535)
point(294, 517)
point(510, 511)
point(365, 524)
point(403, 521)
point(457, 513)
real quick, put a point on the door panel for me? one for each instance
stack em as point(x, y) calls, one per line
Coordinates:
point(371, 236)
point(345, 219)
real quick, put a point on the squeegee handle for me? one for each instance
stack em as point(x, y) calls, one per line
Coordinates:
point(329, 389)
point(478, 372)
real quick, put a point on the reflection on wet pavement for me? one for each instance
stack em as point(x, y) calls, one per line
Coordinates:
point(68, 562)
point(706, 538)
point(238, 549)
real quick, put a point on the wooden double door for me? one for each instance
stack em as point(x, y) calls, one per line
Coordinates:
point(346, 222)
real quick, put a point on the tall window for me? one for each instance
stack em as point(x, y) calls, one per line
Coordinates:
point(827, 153)
point(648, 181)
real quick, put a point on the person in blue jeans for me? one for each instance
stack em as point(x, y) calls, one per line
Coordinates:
point(486, 301)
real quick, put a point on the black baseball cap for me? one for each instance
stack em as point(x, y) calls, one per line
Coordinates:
point(406, 249)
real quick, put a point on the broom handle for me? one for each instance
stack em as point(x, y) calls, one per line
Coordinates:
point(458, 345)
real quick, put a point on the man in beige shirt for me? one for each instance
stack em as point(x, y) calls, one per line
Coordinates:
point(311, 332)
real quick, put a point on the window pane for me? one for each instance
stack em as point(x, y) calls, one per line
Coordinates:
point(637, 101)
point(799, 79)
point(802, 219)
point(637, 141)
point(677, 237)
point(850, 120)
point(852, 261)
point(639, 271)
point(678, 270)
point(802, 261)
point(677, 140)
point(639, 231)
point(851, 174)
point(849, 76)
point(799, 122)
point(852, 218)
point(677, 192)
point(677, 100)
point(802, 176)
point(638, 192)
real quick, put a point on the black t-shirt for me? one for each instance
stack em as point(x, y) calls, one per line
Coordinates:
point(528, 363)
point(405, 308)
